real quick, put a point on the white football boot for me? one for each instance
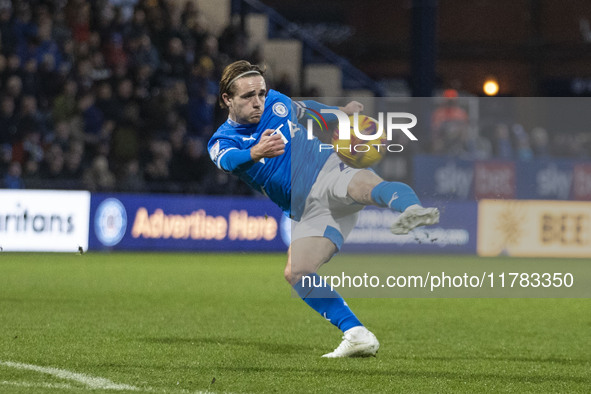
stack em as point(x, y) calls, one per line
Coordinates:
point(415, 216)
point(357, 342)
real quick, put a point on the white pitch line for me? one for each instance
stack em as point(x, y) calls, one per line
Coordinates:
point(90, 381)
point(61, 386)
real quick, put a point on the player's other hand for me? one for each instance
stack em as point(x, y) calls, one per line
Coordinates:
point(352, 107)
point(268, 146)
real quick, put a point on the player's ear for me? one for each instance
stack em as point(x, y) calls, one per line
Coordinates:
point(227, 99)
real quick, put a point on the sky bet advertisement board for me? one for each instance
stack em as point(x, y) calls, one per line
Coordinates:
point(167, 223)
point(450, 179)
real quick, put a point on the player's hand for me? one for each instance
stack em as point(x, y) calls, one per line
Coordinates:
point(352, 107)
point(268, 146)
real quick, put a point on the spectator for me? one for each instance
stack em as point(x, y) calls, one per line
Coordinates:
point(13, 64)
point(284, 84)
point(13, 178)
point(126, 138)
point(125, 7)
point(100, 71)
point(60, 31)
point(189, 12)
point(115, 54)
point(60, 135)
point(158, 168)
point(73, 169)
point(105, 102)
point(124, 93)
point(98, 177)
point(132, 179)
point(192, 163)
point(174, 63)
point(233, 42)
point(197, 34)
point(8, 121)
point(448, 117)
point(138, 26)
point(8, 36)
point(540, 142)
point(24, 25)
point(3, 69)
point(502, 146)
point(97, 129)
point(5, 157)
point(14, 88)
point(30, 77)
point(144, 83)
point(29, 148)
point(67, 48)
point(77, 17)
point(50, 82)
point(145, 53)
point(202, 91)
point(30, 118)
point(52, 167)
point(65, 105)
point(31, 172)
point(83, 74)
point(523, 150)
point(42, 43)
point(478, 148)
point(92, 116)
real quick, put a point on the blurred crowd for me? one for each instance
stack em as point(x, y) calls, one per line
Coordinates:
point(120, 95)
point(453, 134)
point(111, 95)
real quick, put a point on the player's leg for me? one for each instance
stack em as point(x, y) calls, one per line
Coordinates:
point(305, 256)
point(367, 188)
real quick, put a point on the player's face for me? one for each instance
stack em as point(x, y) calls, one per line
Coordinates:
point(248, 103)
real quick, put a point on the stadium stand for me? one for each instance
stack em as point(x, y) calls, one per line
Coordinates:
point(114, 95)
point(110, 95)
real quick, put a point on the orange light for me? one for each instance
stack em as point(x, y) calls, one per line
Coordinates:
point(490, 87)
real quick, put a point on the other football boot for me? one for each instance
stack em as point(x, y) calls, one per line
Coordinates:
point(357, 342)
point(414, 216)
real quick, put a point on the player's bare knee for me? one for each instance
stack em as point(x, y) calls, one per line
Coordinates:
point(360, 187)
point(293, 276)
point(293, 273)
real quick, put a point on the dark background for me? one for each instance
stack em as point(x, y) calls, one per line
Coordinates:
point(531, 47)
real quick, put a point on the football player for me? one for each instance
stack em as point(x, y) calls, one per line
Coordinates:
point(263, 143)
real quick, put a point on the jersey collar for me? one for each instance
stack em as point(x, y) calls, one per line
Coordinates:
point(233, 123)
point(242, 128)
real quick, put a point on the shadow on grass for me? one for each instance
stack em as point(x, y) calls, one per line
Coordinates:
point(268, 347)
point(553, 360)
point(405, 371)
point(466, 375)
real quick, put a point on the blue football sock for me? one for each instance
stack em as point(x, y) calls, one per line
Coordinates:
point(394, 195)
point(327, 302)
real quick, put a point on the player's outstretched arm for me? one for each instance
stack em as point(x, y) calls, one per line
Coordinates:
point(268, 146)
point(230, 157)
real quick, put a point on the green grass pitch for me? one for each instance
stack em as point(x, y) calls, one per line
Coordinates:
point(175, 323)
